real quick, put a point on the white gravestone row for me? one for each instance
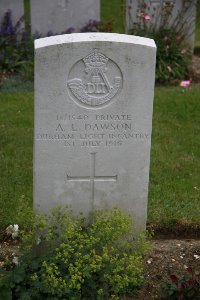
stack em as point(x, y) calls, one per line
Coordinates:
point(54, 15)
point(93, 117)
point(183, 9)
point(16, 7)
point(60, 15)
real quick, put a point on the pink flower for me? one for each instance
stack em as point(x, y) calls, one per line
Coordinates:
point(169, 68)
point(183, 51)
point(147, 17)
point(167, 47)
point(185, 83)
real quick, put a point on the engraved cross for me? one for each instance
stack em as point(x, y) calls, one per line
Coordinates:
point(92, 178)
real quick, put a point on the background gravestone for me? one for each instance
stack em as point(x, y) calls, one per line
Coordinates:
point(93, 118)
point(156, 8)
point(60, 15)
point(16, 7)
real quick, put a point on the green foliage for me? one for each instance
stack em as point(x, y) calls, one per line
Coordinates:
point(77, 260)
point(114, 10)
point(171, 38)
point(16, 153)
point(16, 84)
point(185, 287)
point(24, 214)
point(16, 54)
point(174, 196)
point(173, 56)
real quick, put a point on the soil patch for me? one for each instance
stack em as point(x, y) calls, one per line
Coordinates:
point(168, 257)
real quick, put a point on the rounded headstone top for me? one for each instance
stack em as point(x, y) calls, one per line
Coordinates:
point(91, 36)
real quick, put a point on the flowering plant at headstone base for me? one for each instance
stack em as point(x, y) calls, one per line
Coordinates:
point(70, 258)
point(173, 52)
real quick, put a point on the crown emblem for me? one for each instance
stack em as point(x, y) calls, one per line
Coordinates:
point(100, 80)
point(95, 60)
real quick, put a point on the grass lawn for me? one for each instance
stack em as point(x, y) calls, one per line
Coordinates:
point(16, 135)
point(113, 10)
point(174, 192)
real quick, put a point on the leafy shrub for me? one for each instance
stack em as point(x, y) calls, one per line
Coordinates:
point(185, 287)
point(173, 52)
point(71, 259)
point(16, 54)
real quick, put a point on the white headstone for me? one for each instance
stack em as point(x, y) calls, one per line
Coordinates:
point(60, 15)
point(16, 7)
point(179, 10)
point(93, 117)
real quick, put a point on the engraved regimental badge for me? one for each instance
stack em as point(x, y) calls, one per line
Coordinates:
point(94, 80)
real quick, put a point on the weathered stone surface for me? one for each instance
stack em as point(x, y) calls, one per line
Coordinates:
point(16, 7)
point(60, 15)
point(93, 116)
